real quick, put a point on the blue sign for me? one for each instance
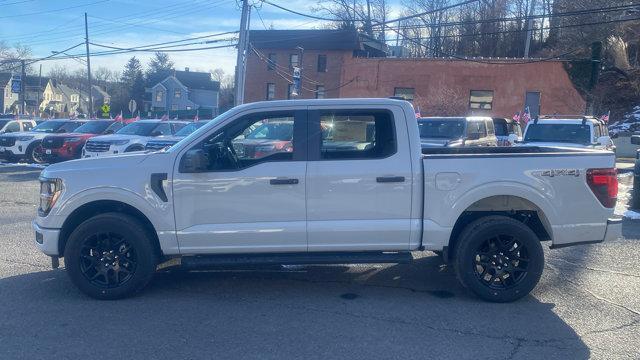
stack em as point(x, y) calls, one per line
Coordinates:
point(16, 84)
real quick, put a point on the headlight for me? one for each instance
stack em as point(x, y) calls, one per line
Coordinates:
point(49, 192)
point(265, 148)
point(120, 142)
point(72, 140)
point(25, 138)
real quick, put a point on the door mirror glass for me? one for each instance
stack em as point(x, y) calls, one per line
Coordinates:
point(194, 161)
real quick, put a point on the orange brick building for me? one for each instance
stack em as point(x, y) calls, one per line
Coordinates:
point(342, 63)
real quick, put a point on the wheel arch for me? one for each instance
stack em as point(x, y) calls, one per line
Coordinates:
point(516, 207)
point(93, 208)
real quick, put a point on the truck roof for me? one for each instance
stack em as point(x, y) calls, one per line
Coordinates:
point(566, 121)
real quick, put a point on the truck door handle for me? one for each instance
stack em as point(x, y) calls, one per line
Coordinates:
point(389, 179)
point(283, 181)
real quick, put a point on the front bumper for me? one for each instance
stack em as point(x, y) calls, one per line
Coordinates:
point(46, 239)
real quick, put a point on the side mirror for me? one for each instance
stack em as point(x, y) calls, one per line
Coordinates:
point(635, 139)
point(512, 138)
point(194, 161)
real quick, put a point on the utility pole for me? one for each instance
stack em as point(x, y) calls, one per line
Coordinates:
point(39, 88)
point(86, 41)
point(527, 42)
point(368, 28)
point(23, 78)
point(241, 59)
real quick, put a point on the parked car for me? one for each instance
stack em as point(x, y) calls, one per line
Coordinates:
point(25, 145)
point(12, 125)
point(132, 137)
point(61, 147)
point(581, 132)
point(456, 131)
point(117, 219)
point(266, 139)
point(508, 131)
point(164, 141)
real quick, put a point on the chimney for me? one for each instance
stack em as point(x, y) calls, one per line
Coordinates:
point(186, 69)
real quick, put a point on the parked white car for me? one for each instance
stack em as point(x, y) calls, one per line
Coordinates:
point(584, 132)
point(24, 145)
point(133, 137)
point(13, 125)
point(199, 203)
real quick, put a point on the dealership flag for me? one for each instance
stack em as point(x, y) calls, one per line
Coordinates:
point(418, 115)
point(526, 116)
point(119, 118)
point(516, 116)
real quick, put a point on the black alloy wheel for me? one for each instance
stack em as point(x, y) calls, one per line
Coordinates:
point(107, 260)
point(501, 262)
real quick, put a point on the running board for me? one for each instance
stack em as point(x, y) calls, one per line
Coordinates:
point(199, 261)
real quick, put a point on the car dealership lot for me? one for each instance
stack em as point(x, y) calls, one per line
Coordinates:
point(586, 305)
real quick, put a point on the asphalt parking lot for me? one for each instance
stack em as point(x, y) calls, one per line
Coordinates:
point(587, 305)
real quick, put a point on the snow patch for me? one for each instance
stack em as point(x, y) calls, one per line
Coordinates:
point(630, 214)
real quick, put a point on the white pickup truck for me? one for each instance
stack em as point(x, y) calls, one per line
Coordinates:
point(352, 187)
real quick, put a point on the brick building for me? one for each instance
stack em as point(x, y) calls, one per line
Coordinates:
point(342, 63)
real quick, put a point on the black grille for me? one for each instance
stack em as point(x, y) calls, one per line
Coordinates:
point(7, 141)
point(159, 145)
point(52, 142)
point(97, 146)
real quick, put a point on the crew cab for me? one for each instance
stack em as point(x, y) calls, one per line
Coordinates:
point(456, 131)
point(116, 220)
point(132, 137)
point(26, 145)
point(15, 125)
point(568, 131)
point(164, 141)
point(61, 147)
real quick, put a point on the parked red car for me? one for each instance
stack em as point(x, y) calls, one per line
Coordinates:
point(61, 147)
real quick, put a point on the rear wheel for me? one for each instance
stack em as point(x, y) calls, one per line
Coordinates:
point(499, 259)
point(110, 256)
point(35, 153)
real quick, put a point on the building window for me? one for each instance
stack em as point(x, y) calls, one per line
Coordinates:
point(405, 93)
point(481, 99)
point(159, 95)
point(320, 92)
point(294, 60)
point(290, 91)
point(271, 62)
point(271, 91)
point(177, 94)
point(322, 63)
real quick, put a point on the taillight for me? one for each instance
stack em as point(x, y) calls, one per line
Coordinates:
point(604, 185)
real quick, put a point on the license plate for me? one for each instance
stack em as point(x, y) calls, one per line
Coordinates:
point(48, 151)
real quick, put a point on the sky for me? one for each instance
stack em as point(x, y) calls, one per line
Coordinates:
point(56, 25)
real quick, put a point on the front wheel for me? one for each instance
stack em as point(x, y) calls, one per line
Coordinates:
point(499, 259)
point(35, 153)
point(110, 256)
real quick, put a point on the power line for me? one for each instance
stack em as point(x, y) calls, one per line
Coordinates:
point(54, 10)
point(303, 14)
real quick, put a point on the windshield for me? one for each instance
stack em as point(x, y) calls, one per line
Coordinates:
point(187, 130)
point(3, 123)
point(49, 126)
point(93, 127)
point(564, 133)
point(441, 128)
point(273, 131)
point(138, 128)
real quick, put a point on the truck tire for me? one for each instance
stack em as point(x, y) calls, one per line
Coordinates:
point(498, 258)
point(110, 256)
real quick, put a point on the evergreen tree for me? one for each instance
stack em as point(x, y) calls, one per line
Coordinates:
point(160, 67)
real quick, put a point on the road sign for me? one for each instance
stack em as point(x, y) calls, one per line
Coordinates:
point(105, 110)
point(132, 106)
point(16, 84)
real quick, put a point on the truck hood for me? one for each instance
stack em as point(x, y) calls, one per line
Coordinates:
point(35, 134)
point(68, 135)
point(116, 137)
point(167, 138)
point(126, 162)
